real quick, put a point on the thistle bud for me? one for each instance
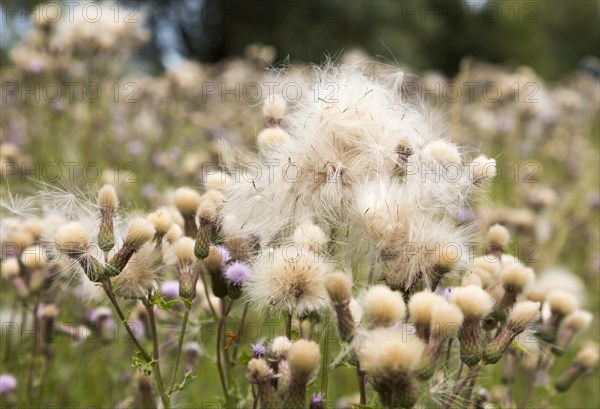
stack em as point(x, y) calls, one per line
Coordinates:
point(339, 288)
point(586, 360)
point(384, 306)
point(498, 238)
point(522, 315)
point(420, 307)
point(575, 322)
point(10, 271)
point(162, 220)
point(215, 264)
point(475, 304)
point(446, 320)
point(561, 304)
point(206, 215)
point(389, 358)
point(261, 375)
point(108, 204)
point(184, 251)
point(304, 358)
point(187, 201)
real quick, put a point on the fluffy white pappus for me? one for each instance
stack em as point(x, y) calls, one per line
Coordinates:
point(287, 281)
point(421, 306)
point(304, 358)
point(141, 274)
point(384, 306)
point(271, 139)
point(218, 181)
point(334, 145)
point(385, 353)
point(473, 301)
point(187, 200)
point(579, 320)
point(310, 236)
point(561, 302)
point(443, 152)
point(426, 245)
point(274, 107)
point(524, 314)
point(483, 169)
point(446, 320)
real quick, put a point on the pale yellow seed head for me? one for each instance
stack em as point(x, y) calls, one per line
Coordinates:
point(562, 302)
point(184, 250)
point(339, 287)
point(446, 320)
point(10, 268)
point(588, 356)
point(498, 235)
point(107, 198)
point(187, 201)
point(535, 294)
point(484, 276)
point(214, 196)
point(421, 306)
point(71, 237)
point(49, 311)
point(488, 263)
point(471, 278)
point(517, 277)
point(384, 306)
point(272, 139)
point(524, 313)
point(579, 320)
point(443, 152)
point(280, 347)
point(174, 233)
point(161, 219)
point(385, 353)
point(259, 371)
point(140, 230)
point(304, 358)
point(35, 227)
point(207, 210)
point(473, 301)
point(33, 257)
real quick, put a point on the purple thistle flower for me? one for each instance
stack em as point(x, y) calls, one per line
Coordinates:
point(170, 289)
point(237, 273)
point(7, 383)
point(259, 349)
point(317, 401)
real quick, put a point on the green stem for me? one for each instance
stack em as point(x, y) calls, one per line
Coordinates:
point(164, 397)
point(222, 376)
point(242, 322)
point(186, 315)
point(34, 349)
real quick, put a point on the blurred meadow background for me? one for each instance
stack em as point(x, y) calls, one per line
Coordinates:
point(143, 94)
